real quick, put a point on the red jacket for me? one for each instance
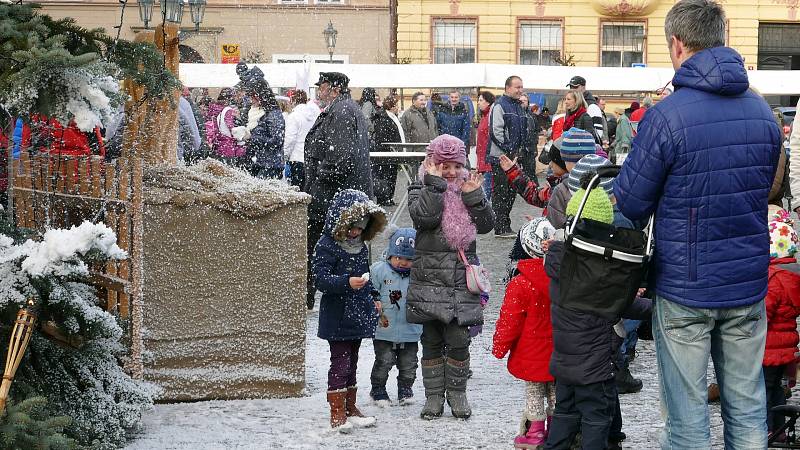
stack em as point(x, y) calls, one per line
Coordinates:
point(524, 325)
point(67, 141)
point(482, 142)
point(638, 115)
point(558, 128)
point(783, 307)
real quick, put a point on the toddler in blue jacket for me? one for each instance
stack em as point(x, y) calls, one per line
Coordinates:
point(395, 339)
point(346, 313)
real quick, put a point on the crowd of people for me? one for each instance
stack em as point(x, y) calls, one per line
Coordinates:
point(706, 161)
point(723, 280)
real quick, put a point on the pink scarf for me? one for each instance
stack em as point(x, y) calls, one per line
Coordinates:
point(457, 226)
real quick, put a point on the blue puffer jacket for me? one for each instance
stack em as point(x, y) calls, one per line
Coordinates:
point(454, 121)
point(703, 160)
point(266, 140)
point(345, 313)
point(385, 280)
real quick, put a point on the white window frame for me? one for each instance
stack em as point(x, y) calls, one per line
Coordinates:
point(622, 49)
point(542, 47)
point(454, 21)
point(284, 58)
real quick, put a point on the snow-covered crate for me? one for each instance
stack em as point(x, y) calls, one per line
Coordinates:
point(224, 288)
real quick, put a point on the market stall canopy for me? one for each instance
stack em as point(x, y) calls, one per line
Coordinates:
point(536, 78)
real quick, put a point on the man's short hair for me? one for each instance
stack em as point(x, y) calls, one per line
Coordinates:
point(416, 96)
point(511, 79)
point(699, 24)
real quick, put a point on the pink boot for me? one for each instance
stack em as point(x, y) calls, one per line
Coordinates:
point(533, 438)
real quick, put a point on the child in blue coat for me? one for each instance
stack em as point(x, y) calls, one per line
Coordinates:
point(347, 313)
point(395, 339)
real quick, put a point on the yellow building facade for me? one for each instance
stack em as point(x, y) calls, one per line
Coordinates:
point(617, 33)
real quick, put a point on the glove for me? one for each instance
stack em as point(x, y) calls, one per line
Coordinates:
point(240, 133)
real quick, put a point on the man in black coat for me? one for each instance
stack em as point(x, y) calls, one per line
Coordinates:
point(336, 156)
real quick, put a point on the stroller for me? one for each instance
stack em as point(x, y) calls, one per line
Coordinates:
point(605, 265)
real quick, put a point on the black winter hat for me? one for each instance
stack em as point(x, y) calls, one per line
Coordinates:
point(336, 79)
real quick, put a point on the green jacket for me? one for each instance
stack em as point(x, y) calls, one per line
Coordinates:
point(622, 144)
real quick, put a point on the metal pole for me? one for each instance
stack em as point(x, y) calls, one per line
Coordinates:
point(393, 31)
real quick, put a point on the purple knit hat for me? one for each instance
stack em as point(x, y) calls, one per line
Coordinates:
point(446, 148)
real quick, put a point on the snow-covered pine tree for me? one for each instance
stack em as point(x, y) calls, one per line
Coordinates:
point(85, 383)
point(59, 69)
point(27, 425)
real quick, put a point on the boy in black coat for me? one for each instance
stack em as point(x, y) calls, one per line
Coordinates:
point(584, 360)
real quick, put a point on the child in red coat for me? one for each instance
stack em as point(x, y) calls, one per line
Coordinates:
point(525, 329)
point(783, 307)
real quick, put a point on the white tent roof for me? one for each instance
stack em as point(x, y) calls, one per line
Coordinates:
point(536, 78)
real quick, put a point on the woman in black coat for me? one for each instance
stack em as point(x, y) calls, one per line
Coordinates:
point(387, 129)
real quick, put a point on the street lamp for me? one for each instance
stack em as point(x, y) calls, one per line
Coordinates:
point(172, 10)
point(146, 11)
point(330, 39)
point(197, 9)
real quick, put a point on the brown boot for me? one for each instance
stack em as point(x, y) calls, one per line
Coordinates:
point(354, 415)
point(713, 393)
point(337, 400)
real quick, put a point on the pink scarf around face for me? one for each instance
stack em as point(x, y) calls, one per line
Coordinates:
point(457, 226)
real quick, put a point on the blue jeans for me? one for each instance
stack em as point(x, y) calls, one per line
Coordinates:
point(487, 184)
point(631, 335)
point(734, 338)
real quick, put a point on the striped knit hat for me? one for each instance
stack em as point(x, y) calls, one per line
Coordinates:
point(576, 144)
point(589, 163)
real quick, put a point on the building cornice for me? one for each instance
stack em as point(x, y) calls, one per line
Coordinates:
point(254, 6)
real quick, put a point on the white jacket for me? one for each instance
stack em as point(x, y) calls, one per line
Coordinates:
point(298, 124)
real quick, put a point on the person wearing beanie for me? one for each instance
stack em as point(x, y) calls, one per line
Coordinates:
point(598, 207)
point(395, 339)
point(783, 307)
point(448, 209)
point(347, 313)
point(585, 359)
point(524, 329)
point(589, 163)
point(575, 144)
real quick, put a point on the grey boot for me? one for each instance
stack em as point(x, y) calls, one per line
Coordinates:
point(433, 380)
point(457, 373)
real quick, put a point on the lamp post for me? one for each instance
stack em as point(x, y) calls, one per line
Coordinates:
point(197, 8)
point(172, 10)
point(330, 39)
point(146, 11)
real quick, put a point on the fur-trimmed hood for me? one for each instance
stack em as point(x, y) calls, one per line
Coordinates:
point(348, 207)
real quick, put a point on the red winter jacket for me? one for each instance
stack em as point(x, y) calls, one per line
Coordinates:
point(524, 325)
point(69, 140)
point(482, 142)
point(783, 307)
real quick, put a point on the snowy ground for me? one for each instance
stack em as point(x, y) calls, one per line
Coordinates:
point(300, 423)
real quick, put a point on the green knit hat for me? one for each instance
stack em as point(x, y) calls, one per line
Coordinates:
point(598, 206)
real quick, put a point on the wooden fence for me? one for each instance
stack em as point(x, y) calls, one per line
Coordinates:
point(53, 191)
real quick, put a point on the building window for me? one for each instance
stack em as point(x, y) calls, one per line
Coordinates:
point(540, 42)
point(330, 2)
point(454, 41)
point(292, 2)
point(622, 44)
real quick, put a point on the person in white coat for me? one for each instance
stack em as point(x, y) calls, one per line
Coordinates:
point(298, 124)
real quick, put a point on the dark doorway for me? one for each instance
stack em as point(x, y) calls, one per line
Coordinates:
point(190, 55)
point(779, 49)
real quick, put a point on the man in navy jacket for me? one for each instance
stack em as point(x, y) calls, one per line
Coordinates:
point(703, 161)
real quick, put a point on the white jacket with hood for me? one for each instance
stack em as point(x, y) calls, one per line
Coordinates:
point(298, 124)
